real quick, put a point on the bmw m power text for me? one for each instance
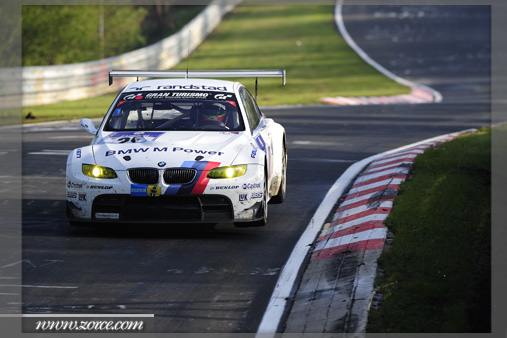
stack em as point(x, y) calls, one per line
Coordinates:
point(179, 150)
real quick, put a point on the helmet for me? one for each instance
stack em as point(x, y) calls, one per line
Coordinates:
point(214, 112)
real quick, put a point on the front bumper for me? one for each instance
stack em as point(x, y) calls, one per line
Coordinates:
point(164, 209)
point(120, 201)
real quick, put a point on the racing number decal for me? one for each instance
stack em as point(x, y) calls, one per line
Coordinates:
point(260, 142)
point(262, 145)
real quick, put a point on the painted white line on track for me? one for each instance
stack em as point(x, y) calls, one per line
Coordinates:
point(437, 97)
point(77, 315)
point(88, 137)
point(40, 286)
point(280, 296)
point(308, 159)
point(51, 152)
point(317, 143)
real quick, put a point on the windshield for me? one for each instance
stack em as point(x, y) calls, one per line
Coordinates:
point(168, 110)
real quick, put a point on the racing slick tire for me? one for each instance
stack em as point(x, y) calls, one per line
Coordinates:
point(280, 196)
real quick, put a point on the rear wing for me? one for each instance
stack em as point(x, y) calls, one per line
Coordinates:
point(200, 74)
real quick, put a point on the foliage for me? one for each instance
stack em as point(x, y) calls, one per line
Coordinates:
point(10, 35)
point(70, 34)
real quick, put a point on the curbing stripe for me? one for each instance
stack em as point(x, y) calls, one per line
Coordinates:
point(353, 230)
point(366, 245)
point(378, 184)
point(359, 300)
point(358, 222)
point(338, 227)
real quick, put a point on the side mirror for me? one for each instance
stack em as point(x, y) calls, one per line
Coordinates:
point(88, 125)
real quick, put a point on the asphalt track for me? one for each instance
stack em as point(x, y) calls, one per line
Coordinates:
point(220, 280)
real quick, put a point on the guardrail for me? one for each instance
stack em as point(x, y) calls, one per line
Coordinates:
point(51, 84)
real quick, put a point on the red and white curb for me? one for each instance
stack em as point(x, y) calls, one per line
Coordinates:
point(419, 93)
point(358, 222)
point(357, 226)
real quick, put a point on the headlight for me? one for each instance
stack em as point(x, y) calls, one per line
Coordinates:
point(98, 171)
point(228, 172)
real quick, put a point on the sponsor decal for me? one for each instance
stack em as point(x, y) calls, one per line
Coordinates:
point(104, 187)
point(178, 95)
point(169, 87)
point(138, 96)
point(73, 185)
point(243, 197)
point(82, 197)
point(197, 151)
point(140, 190)
point(71, 194)
point(78, 153)
point(164, 149)
point(256, 195)
point(138, 88)
point(153, 190)
point(128, 151)
point(254, 153)
point(222, 97)
point(107, 215)
point(248, 186)
point(224, 187)
point(137, 190)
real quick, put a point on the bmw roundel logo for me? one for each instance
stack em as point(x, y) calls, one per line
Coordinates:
point(161, 164)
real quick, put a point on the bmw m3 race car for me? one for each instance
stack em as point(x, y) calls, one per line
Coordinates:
point(179, 150)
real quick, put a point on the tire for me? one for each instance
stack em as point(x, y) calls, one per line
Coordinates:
point(280, 196)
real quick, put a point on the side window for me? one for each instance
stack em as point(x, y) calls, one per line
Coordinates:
point(253, 112)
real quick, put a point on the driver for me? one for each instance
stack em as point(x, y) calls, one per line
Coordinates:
point(215, 112)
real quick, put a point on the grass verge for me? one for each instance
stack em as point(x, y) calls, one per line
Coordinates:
point(301, 39)
point(436, 276)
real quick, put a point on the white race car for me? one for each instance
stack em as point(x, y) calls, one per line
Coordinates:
point(187, 150)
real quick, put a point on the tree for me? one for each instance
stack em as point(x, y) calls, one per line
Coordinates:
point(54, 34)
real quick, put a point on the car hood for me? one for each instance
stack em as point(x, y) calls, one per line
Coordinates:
point(124, 150)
